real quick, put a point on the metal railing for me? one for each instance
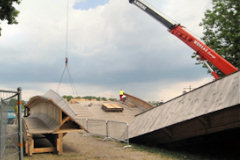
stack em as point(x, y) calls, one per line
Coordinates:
point(11, 141)
point(106, 128)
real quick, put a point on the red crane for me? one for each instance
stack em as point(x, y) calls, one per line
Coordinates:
point(205, 53)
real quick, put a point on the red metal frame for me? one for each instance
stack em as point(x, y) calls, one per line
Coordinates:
point(204, 51)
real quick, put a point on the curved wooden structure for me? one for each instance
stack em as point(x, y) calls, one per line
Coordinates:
point(51, 117)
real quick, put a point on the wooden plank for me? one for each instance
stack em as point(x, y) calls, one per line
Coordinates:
point(44, 150)
point(68, 130)
point(110, 105)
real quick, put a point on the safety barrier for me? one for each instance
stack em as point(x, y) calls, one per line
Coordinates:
point(11, 147)
point(106, 128)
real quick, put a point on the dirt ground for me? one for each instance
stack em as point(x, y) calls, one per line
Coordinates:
point(78, 146)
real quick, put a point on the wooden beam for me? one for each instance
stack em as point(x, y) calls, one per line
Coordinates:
point(65, 120)
point(44, 150)
point(30, 146)
point(68, 130)
point(59, 144)
point(26, 146)
point(62, 123)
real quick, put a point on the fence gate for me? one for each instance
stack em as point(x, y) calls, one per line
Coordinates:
point(11, 146)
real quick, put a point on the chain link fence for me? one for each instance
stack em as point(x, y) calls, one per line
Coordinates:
point(10, 125)
point(106, 128)
point(3, 124)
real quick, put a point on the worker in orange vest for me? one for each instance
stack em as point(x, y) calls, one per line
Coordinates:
point(121, 94)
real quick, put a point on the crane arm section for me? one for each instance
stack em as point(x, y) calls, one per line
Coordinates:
point(205, 52)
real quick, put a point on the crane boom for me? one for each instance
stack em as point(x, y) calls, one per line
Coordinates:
point(205, 52)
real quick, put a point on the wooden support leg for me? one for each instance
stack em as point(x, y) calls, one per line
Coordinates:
point(26, 144)
point(30, 146)
point(59, 144)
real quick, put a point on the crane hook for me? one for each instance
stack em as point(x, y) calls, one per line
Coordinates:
point(66, 61)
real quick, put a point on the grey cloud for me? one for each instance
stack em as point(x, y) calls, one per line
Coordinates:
point(116, 45)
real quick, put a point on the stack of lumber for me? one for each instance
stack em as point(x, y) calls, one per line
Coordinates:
point(111, 107)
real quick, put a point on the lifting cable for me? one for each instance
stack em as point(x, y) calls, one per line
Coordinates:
point(66, 57)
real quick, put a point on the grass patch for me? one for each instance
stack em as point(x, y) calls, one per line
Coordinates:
point(169, 153)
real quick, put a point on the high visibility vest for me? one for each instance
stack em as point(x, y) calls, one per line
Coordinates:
point(121, 92)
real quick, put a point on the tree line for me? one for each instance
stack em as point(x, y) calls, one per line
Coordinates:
point(69, 97)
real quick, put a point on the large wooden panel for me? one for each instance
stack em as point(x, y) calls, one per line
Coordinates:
point(212, 97)
point(219, 121)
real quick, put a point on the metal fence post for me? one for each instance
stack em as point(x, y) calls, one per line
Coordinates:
point(107, 134)
point(87, 124)
point(128, 145)
point(127, 135)
point(20, 123)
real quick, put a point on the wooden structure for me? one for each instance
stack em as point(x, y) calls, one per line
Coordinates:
point(93, 110)
point(137, 102)
point(112, 107)
point(209, 109)
point(50, 117)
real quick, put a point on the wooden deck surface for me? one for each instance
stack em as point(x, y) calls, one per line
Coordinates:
point(192, 110)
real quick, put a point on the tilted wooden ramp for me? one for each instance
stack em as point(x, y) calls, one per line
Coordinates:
point(133, 101)
point(51, 117)
point(214, 107)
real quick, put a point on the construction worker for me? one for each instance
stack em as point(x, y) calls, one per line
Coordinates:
point(121, 94)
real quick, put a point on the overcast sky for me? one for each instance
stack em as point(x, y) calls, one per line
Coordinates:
point(111, 45)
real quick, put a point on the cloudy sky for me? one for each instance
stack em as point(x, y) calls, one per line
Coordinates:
point(111, 45)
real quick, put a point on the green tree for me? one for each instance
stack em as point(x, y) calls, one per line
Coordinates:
point(222, 31)
point(8, 11)
point(112, 99)
point(12, 102)
point(103, 98)
point(68, 97)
